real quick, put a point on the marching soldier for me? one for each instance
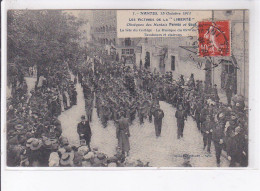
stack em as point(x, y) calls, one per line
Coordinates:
point(123, 134)
point(158, 116)
point(181, 117)
point(218, 136)
point(207, 129)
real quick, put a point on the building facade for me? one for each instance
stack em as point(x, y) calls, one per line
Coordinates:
point(104, 32)
point(180, 55)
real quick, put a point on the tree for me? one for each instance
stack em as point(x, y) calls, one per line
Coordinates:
point(42, 37)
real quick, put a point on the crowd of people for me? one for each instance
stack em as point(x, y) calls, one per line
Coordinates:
point(34, 132)
point(33, 128)
point(120, 94)
point(117, 98)
point(226, 125)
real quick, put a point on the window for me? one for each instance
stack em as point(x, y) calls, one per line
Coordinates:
point(127, 42)
point(229, 69)
point(173, 63)
point(127, 51)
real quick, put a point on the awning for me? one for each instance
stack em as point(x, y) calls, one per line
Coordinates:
point(193, 49)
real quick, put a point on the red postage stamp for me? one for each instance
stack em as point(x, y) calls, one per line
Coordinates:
point(214, 38)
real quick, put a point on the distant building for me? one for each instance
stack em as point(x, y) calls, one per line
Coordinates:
point(104, 32)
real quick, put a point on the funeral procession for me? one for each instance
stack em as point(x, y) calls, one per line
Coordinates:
point(79, 96)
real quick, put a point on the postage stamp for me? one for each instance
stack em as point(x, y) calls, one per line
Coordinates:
point(214, 38)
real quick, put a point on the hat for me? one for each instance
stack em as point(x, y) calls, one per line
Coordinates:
point(68, 148)
point(89, 156)
point(101, 156)
point(53, 163)
point(29, 135)
point(237, 130)
point(112, 164)
point(97, 162)
point(78, 157)
point(83, 149)
point(61, 150)
point(18, 127)
point(54, 159)
point(64, 141)
point(29, 141)
point(221, 115)
point(112, 159)
point(36, 144)
point(66, 159)
point(47, 144)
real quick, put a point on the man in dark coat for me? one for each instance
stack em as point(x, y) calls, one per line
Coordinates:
point(198, 108)
point(215, 92)
point(229, 94)
point(203, 113)
point(181, 117)
point(80, 78)
point(158, 116)
point(235, 147)
point(123, 134)
point(84, 130)
point(74, 96)
point(232, 146)
point(218, 136)
point(57, 126)
point(206, 129)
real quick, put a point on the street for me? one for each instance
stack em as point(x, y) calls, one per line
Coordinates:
point(164, 151)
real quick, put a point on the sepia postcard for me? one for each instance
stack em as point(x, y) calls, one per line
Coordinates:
point(127, 88)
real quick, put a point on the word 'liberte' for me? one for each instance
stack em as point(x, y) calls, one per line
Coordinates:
point(162, 13)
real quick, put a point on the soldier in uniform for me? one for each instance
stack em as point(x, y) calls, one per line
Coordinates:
point(207, 129)
point(218, 136)
point(181, 117)
point(123, 134)
point(158, 116)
